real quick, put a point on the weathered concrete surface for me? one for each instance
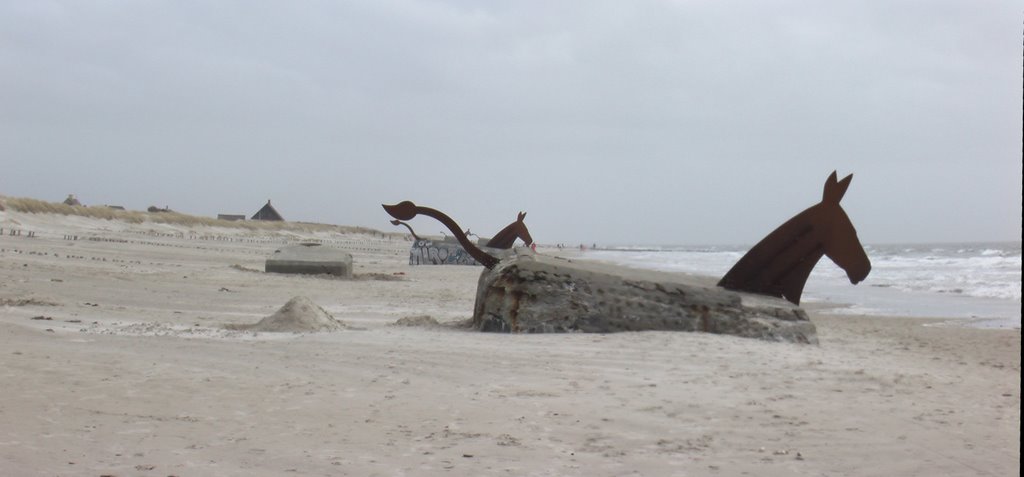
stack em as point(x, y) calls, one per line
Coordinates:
point(311, 259)
point(531, 293)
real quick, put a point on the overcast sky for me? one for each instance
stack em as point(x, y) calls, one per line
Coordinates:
point(653, 122)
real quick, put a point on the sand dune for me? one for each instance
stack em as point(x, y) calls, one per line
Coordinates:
point(115, 360)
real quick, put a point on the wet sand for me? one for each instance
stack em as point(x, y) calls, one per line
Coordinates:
point(115, 360)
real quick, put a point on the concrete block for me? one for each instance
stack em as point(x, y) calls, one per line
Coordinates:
point(429, 252)
point(529, 293)
point(310, 259)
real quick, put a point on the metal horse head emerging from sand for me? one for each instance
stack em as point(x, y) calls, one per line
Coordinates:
point(504, 239)
point(507, 236)
point(781, 262)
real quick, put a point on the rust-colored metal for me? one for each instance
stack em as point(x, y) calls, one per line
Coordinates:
point(411, 231)
point(781, 262)
point(406, 210)
point(507, 236)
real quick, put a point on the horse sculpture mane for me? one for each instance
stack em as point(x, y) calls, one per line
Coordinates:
point(406, 210)
point(781, 262)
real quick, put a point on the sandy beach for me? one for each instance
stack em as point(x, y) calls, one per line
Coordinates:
point(115, 360)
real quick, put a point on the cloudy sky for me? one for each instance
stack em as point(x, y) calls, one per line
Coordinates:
point(655, 122)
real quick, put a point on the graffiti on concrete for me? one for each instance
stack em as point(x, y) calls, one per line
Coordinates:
point(429, 252)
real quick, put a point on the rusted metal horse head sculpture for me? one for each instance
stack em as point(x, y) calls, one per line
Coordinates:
point(507, 236)
point(406, 210)
point(781, 262)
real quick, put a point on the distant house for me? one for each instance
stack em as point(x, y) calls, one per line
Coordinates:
point(71, 200)
point(268, 213)
point(230, 217)
point(116, 207)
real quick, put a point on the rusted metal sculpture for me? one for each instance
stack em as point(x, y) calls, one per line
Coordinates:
point(507, 236)
point(406, 210)
point(781, 262)
point(411, 231)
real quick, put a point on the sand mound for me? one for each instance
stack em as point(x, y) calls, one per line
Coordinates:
point(419, 320)
point(298, 315)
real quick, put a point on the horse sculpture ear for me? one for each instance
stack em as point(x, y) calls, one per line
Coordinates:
point(835, 190)
point(522, 215)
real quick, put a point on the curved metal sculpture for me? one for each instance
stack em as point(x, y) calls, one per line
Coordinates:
point(781, 262)
point(411, 231)
point(406, 210)
point(424, 251)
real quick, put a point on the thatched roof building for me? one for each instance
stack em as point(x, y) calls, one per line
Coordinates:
point(268, 212)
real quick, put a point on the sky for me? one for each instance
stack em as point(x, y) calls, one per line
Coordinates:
point(643, 122)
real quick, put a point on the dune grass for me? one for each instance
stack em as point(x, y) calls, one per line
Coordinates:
point(35, 206)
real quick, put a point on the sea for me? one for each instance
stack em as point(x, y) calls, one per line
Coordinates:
point(971, 284)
